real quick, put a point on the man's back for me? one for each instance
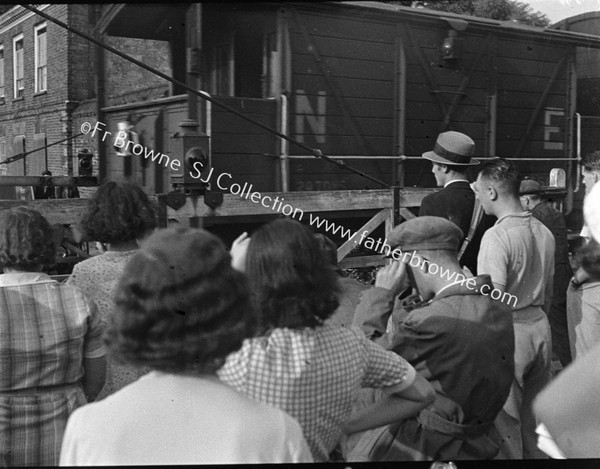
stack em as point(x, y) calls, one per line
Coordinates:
point(464, 344)
point(455, 203)
point(518, 253)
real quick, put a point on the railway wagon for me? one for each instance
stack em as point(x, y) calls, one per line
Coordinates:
point(367, 83)
point(587, 117)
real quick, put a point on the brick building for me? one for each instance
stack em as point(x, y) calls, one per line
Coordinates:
point(45, 72)
point(50, 80)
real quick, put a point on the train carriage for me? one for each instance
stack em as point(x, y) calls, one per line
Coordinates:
point(368, 83)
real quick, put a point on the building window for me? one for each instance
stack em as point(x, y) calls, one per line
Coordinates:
point(2, 95)
point(3, 167)
point(18, 66)
point(40, 58)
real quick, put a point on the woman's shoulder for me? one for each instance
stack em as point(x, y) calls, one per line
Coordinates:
point(101, 267)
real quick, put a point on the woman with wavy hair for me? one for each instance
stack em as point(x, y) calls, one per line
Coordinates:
point(300, 364)
point(182, 309)
point(51, 351)
point(119, 214)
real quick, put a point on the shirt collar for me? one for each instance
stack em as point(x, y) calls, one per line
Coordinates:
point(14, 279)
point(519, 215)
point(455, 180)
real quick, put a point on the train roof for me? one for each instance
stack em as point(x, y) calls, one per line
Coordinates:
point(464, 21)
point(590, 20)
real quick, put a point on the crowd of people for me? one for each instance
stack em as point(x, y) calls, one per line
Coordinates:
point(169, 348)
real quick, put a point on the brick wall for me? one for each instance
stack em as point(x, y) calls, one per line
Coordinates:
point(69, 79)
point(124, 80)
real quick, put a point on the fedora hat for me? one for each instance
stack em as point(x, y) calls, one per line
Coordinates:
point(452, 148)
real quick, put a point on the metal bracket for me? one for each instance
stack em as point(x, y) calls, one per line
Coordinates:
point(213, 199)
point(174, 199)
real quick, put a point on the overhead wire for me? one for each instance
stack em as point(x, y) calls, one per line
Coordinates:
point(315, 152)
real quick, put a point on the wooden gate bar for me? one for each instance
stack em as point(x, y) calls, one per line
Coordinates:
point(379, 218)
point(80, 181)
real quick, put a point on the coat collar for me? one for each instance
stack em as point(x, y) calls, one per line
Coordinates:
point(469, 286)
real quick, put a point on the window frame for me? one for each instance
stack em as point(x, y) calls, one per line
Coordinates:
point(36, 33)
point(2, 75)
point(16, 39)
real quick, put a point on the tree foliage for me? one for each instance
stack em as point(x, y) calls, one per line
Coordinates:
point(5, 8)
point(501, 10)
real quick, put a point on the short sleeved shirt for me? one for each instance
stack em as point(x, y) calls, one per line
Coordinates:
point(314, 375)
point(518, 252)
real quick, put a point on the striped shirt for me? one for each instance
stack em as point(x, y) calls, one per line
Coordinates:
point(314, 375)
point(46, 329)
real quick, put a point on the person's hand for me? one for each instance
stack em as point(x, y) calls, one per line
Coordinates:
point(239, 249)
point(392, 277)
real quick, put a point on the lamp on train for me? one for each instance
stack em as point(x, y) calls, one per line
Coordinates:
point(85, 162)
point(192, 149)
point(451, 48)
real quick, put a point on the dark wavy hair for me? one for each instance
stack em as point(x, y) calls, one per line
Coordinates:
point(27, 239)
point(291, 280)
point(591, 161)
point(181, 306)
point(588, 257)
point(504, 172)
point(119, 211)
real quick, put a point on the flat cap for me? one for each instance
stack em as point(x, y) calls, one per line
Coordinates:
point(529, 186)
point(430, 233)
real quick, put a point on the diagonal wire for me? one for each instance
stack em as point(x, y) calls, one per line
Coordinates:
point(20, 156)
point(315, 152)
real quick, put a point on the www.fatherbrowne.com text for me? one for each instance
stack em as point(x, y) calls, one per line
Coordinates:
point(224, 182)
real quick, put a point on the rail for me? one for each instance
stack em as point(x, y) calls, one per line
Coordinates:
point(405, 157)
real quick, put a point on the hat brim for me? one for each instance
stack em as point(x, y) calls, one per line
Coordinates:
point(531, 192)
point(432, 156)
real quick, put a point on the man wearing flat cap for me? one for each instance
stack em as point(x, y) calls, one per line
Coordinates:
point(531, 200)
point(451, 158)
point(455, 335)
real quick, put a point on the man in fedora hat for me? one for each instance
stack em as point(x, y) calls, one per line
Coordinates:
point(554, 220)
point(456, 336)
point(451, 158)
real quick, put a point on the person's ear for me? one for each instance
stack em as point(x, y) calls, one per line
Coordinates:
point(492, 193)
point(596, 176)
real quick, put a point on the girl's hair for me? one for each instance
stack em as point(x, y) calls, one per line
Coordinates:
point(291, 281)
point(181, 306)
point(119, 211)
point(26, 239)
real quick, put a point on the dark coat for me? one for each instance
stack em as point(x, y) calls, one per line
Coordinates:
point(455, 203)
point(462, 342)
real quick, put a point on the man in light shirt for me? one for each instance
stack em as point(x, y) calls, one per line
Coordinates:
point(518, 254)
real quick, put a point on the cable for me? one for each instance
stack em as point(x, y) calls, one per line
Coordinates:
point(20, 156)
point(315, 152)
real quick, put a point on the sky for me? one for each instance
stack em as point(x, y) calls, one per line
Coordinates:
point(558, 10)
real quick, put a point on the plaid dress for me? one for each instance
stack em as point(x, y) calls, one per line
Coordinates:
point(46, 329)
point(315, 376)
